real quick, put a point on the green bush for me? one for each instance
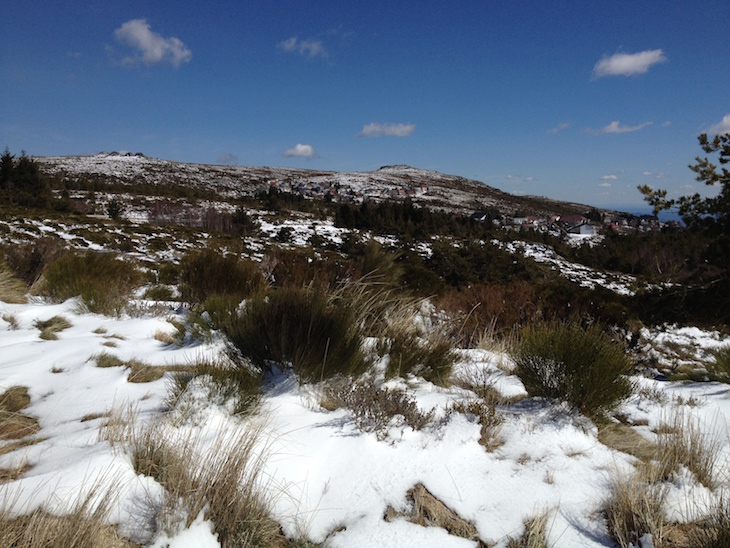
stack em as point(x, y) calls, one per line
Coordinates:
point(410, 354)
point(316, 336)
point(208, 272)
point(103, 281)
point(583, 367)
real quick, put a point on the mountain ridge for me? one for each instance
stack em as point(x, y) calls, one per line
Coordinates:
point(427, 188)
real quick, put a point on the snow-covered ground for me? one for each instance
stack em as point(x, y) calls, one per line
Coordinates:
point(327, 479)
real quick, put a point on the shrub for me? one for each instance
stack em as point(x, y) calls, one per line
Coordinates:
point(374, 408)
point(316, 336)
point(409, 354)
point(103, 282)
point(719, 367)
point(221, 382)
point(582, 367)
point(413, 347)
point(28, 262)
point(209, 272)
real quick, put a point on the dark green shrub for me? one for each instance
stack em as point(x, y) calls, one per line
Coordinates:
point(409, 354)
point(104, 282)
point(316, 336)
point(583, 367)
point(208, 272)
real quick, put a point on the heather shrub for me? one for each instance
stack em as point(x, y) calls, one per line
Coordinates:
point(316, 336)
point(413, 345)
point(220, 381)
point(104, 282)
point(410, 354)
point(718, 367)
point(375, 408)
point(582, 367)
point(28, 261)
point(208, 272)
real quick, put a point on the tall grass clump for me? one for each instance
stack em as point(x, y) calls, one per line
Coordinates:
point(582, 367)
point(83, 525)
point(635, 508)
point(223, 481)
point(12, 290)
point(208, 272)
point(318, 337)
point(104, 282)
point(681, 442)
point(412, 343)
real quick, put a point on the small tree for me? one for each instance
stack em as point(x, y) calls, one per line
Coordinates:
point(696, 211)
point(114, 208)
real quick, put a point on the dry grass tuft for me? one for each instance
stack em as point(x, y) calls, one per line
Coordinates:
point(12, 321)
point(635, 508)
point(140, 372)
point(681, 442)
point(14, 399)
point(428, 511)
point(13, 424)
point(49, 328)
point(535, 533)
point(107, 360)
point(12, 290)
point(624, 438)
point(85, 525)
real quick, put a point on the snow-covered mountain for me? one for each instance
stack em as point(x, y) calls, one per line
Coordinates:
point(425, 187)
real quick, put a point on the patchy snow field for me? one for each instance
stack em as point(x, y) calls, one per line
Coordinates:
point(326, 479)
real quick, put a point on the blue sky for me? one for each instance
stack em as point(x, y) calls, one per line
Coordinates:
point(575, 100)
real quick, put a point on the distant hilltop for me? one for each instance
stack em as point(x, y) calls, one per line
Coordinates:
point(425, 188)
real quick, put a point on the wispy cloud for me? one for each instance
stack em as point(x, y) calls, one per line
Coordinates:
point(228, 158)
point(605, 185)
point(151, 47)
point(616, 127)
point(723, 126)
point(306, 48)
point(560, 127)
point(299, 151)
point(628, 64)
point(609, 178)
point(386, 130)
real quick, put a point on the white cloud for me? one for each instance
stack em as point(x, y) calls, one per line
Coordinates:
point(609, 178)
point(616, 127)
point(723, 126)
point(152, 48)
point(299, 151)
point(560, 127)
point(646, 173)
point(228, 159)
point(306, 48)
point(386, 130)
point(628, 64)
point(605, 185)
